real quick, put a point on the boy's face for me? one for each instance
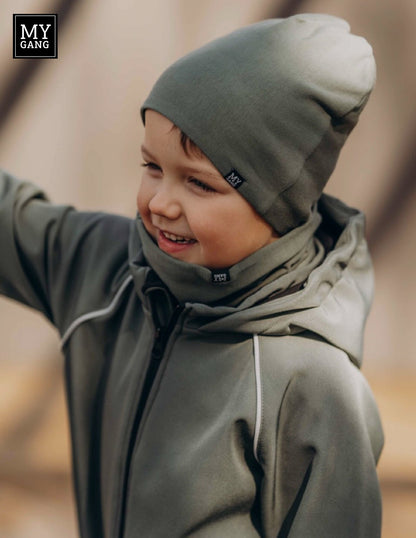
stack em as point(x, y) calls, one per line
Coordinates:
point(187, 206)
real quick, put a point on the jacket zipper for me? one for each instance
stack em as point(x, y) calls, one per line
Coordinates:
point(159, 345)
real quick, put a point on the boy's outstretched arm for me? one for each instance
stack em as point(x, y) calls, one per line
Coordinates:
point(320, 473)
point(25, 224)
point(53, 258)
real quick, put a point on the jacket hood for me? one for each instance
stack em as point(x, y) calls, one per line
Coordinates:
point(315, 280)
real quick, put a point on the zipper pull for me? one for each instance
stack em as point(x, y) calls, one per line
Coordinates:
point(158, 344)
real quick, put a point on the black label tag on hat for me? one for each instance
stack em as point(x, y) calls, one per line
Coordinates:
point(234, 179)
point(220, 276)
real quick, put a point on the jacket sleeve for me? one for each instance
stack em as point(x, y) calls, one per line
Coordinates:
point(320, 469)
point(53, 258)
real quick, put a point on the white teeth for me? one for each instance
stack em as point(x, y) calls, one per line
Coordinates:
point(177, 238)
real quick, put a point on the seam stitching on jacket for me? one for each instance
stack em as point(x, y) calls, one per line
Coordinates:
point(259, 402)
point(95, 313)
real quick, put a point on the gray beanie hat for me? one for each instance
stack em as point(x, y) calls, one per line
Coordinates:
point(271, 105)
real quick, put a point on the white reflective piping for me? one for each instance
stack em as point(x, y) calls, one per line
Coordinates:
point(96, 313)
point(259, 399)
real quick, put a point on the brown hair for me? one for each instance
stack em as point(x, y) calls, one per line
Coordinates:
point(188, 145)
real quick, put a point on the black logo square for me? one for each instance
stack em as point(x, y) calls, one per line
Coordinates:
point(35, 36)
point(234, 179)
point(220, 276)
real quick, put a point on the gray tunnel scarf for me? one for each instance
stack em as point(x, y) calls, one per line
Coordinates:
point(271, 106)
point(274, 268)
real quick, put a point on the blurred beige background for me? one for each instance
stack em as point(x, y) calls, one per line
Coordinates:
point(72, 126)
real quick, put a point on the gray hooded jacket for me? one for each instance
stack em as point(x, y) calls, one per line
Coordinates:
point(203, 410)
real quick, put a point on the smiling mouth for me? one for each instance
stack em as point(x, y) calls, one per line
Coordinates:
point(178, 239)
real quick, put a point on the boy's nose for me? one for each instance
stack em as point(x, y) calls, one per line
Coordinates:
point(165, 204)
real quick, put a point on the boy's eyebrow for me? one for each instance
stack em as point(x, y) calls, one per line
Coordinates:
point(205, 172)
point(145, 150)
point(190, 169)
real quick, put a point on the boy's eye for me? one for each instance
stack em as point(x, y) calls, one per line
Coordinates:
point(201, 185)
point(152, 166)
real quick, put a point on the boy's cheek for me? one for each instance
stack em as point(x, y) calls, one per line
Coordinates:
point(144, 212)
point(138, 203)
point(141, 201)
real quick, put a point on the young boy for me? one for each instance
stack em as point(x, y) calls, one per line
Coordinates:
point(213, 344)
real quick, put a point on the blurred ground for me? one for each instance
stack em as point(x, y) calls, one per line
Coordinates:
point(396, 398)
point(35, 486)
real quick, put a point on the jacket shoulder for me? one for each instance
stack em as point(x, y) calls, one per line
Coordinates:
point(314, 384)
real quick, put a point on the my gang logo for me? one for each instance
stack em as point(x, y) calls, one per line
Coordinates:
point(220, 276)
point(234, 179)
point(35, 36)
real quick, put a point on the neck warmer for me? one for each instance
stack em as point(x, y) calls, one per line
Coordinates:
point(273, 269)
